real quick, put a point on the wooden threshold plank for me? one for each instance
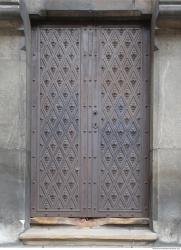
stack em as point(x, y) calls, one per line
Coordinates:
point(88, 223)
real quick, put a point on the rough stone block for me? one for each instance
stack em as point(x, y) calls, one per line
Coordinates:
point(169, 111)
point(169, 195)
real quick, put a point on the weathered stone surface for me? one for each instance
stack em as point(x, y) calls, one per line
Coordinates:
point(97, 233)
point(166, 161)
point(169, 14)
point(9, 2)
point(9, 9)
point(169, 89)
point(144, 5)
point(169, 205)
point(12, 134)
point(37, 7)
point(89, 5)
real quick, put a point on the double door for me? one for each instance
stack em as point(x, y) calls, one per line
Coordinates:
point(90, 121)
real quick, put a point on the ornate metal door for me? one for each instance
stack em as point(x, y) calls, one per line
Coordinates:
point(90, 121)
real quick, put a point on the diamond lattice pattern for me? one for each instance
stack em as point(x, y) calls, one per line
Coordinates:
point(59, 122)
point(121, 123)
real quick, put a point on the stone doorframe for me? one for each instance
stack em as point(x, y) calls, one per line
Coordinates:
point(161, 12)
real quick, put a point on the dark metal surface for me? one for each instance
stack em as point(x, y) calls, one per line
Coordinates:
point(90, 122)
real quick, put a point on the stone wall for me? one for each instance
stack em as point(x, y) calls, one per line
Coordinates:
point(12, 131)
point(167, 134)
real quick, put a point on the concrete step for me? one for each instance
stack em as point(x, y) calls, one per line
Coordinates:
point(48, 234)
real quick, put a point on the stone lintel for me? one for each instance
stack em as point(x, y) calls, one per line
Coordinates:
point(129, 7)
point(92, 13)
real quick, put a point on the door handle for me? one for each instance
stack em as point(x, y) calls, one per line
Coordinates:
point(95, 112)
